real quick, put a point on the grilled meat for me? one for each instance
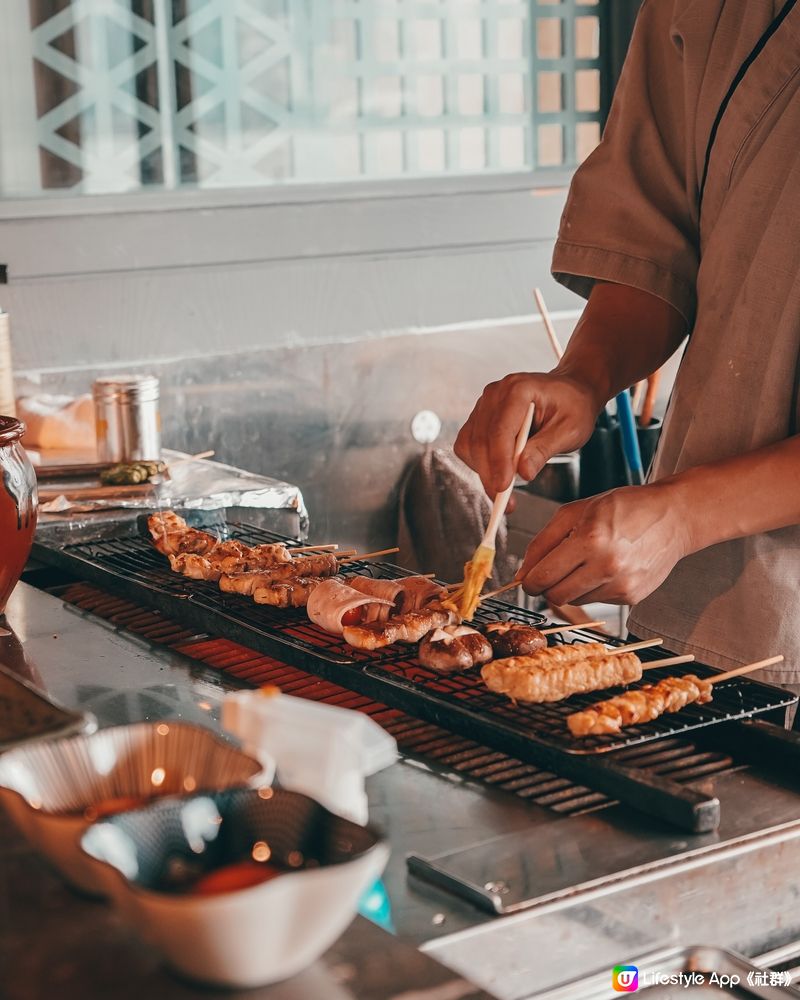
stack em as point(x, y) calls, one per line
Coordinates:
point(452, 648)
point(539, 679)
point(642, 705)
point(291, 593)
point(172, 535)
point(410, 628)
point(334, 604)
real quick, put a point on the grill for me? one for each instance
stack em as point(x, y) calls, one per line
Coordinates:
point(460, 703)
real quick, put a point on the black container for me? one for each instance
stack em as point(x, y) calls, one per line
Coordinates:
point(603, 461)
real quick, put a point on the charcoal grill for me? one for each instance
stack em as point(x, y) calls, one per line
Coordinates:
point(459, 703)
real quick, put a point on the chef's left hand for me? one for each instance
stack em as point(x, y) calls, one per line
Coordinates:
point(616, 547)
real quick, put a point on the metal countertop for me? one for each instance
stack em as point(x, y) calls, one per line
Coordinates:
point(733, 888)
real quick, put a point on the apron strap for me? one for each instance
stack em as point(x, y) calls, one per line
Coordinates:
point(740, 74)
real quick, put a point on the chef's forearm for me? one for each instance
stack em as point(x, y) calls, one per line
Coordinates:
point(736, 497)
point(623, 336)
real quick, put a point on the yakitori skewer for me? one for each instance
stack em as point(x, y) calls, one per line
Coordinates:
point(671, 694)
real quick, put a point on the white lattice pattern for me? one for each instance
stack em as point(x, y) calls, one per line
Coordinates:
point(131, 93)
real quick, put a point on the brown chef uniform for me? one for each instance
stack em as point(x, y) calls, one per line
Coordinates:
point(732, 269)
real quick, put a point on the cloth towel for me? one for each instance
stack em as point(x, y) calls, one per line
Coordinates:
point(442, 517)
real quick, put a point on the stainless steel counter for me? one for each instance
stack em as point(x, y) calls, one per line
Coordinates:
point(608, 886)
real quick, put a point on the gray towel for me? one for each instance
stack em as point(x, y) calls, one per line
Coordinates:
point(443, 514)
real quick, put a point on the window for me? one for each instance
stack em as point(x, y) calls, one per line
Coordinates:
point(123, 95)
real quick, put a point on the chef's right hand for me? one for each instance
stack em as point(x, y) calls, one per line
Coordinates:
point(564, 417)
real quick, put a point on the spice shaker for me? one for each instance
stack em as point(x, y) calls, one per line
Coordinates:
point(127, 418)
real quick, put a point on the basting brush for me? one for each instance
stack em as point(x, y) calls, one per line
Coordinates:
point(478, 570)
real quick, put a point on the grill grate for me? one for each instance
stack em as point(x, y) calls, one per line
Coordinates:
point(533, 733)
point(679, 759)
point(462, 700)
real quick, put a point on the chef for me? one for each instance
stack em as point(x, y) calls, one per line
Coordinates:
point(685, 221)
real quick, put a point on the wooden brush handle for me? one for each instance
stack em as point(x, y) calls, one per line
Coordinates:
point(501, 500)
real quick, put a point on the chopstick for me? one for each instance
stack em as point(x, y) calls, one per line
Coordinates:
point(650, 399)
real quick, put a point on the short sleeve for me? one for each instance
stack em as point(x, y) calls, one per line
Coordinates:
point(630, 215)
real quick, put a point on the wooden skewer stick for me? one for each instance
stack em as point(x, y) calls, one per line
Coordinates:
point(745, 669)
point(332, 547)
point(670, 661)
point(568, 628)
point(552, 336)
point(644, 644)
point(371, 555)
point(500, 590)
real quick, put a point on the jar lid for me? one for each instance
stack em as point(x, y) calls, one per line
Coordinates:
point(11, 430)
point(110, 387)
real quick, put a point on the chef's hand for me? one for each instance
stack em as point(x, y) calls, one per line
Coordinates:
point(563, 419)
point(617, 547)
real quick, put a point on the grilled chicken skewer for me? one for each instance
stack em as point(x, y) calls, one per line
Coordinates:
point(559, 671)
point(557, 679)
point(671, 694)
point(291, 593)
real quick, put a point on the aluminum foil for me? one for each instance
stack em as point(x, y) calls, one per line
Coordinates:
point(199, 485)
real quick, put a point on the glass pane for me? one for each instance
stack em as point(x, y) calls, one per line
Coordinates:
point(587, 37)
point(587, 90)
point(122, 95)
point(551, 91)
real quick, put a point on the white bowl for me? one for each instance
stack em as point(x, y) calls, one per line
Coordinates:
point(243, 937)
point(51, 788)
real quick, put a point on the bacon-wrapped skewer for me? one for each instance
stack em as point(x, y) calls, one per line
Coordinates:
point(334, 604)
point(407, 593)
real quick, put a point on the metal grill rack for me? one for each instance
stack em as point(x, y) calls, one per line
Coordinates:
point(461, 704)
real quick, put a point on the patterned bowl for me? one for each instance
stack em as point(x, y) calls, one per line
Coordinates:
point(162, 867)
point(55, 789)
